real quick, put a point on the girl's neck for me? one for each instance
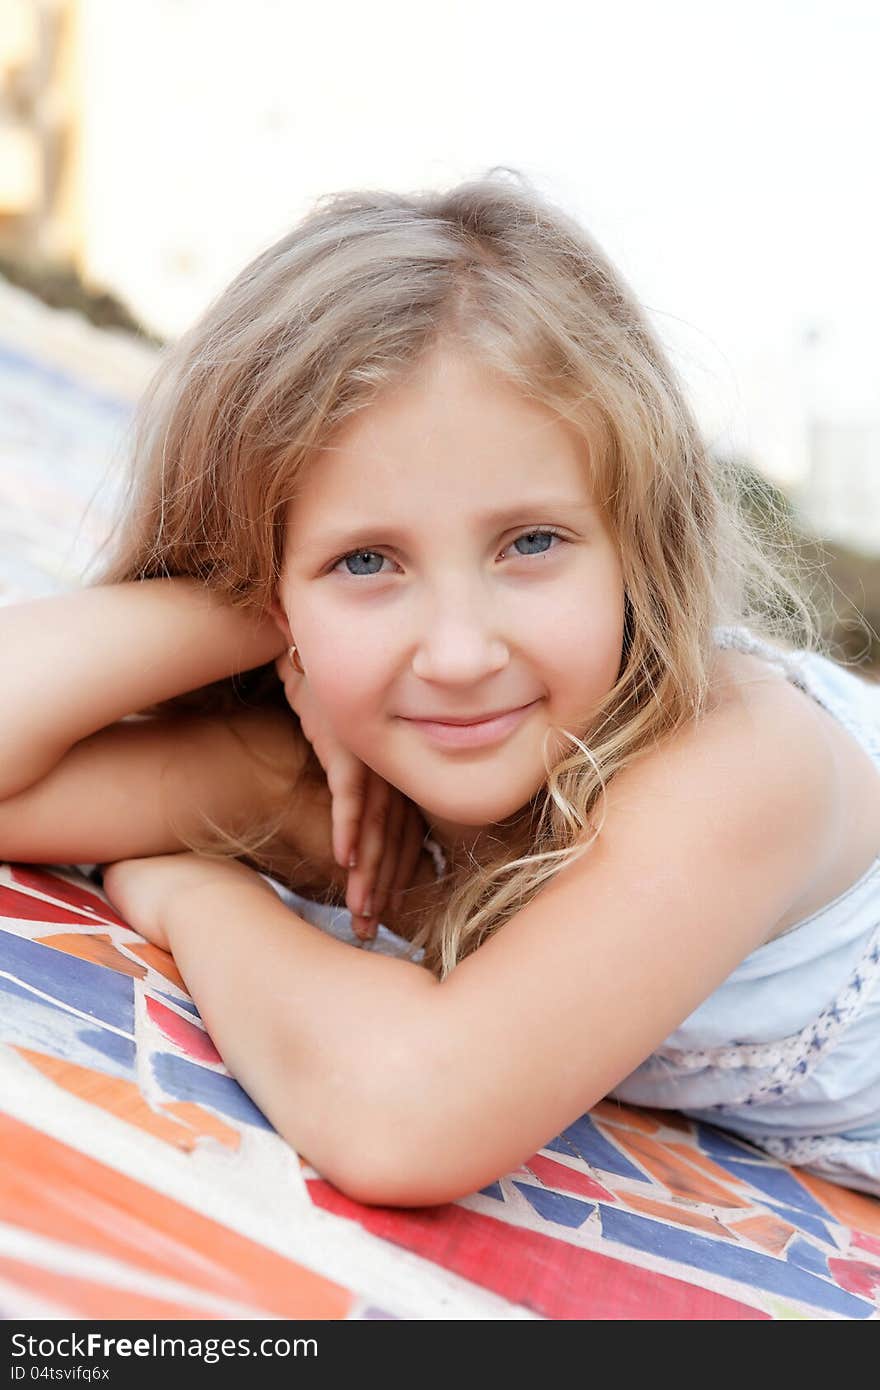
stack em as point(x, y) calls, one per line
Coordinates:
point(457, 842)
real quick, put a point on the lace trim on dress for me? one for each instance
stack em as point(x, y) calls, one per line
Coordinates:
point(808, 1148)
point(786, 1063)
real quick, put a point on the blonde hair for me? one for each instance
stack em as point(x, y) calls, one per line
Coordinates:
point(348, 304)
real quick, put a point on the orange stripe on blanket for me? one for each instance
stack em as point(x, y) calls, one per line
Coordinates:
point(204, 1122)
point(157, 960)
point(710, 1168)
point(855, 1209)
point(51, 1189)
point(78, 1297)
point(680, 1215)
point(663, 1163)
point(95, 947)
point(770, 1232)
point(614, 1112)
point(124, 1099)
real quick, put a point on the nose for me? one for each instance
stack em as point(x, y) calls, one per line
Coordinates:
point(459, 643)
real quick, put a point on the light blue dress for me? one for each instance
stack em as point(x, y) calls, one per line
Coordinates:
point(786, 1051)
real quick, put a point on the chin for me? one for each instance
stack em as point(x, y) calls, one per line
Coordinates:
point(472, 817)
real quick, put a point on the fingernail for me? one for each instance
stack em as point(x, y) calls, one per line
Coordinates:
point(353, 860)
point(367, 910)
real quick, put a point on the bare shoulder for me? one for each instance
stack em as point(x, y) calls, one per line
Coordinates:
point(756, 776)
point(820, 746)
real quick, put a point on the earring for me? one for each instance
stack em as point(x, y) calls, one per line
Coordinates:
point(294, 660)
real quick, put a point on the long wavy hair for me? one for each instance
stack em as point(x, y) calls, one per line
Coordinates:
point(348, 304)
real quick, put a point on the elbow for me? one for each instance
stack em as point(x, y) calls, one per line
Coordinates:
point(396, 1132)
point(377, 1167)
point(393, 1150)
point(409, 1153)
point(398, 1181)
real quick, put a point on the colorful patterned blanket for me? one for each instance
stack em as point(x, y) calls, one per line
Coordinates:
point(140, 1181)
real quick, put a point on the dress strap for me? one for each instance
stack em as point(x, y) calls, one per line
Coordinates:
point(848, 695)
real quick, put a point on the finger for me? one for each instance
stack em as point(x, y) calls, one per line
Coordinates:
point(411, 851)
point(411, 848)
point(365, 928)
point(387, 867)
point(370, 847)
point(347, 779)
point(372, 841)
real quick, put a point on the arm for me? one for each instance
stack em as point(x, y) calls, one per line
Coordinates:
point(317, 1032)
point(405, 1091)
point(77, 662)
point(145, 787)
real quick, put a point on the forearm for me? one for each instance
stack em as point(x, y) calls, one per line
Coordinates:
point(328, 1040)
point(76, 662)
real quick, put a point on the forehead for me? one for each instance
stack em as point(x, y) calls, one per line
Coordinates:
point(455, 434)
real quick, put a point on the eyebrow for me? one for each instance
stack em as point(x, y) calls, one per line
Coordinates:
point(498, 516)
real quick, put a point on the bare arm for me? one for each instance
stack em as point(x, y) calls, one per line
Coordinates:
point(409, 1092)
point(77, 662)
point(318, 1032)
point(150, 786)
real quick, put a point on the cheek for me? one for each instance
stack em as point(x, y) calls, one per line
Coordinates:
point(338, 651)
point(578, 647)
point(349, 686)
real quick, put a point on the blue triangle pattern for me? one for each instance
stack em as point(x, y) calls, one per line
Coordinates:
point(565, 1211)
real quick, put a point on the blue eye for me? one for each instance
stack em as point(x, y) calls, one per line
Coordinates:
point(540, 535)
point(360, 556)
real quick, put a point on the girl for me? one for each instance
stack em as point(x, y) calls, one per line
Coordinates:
point(425, 461)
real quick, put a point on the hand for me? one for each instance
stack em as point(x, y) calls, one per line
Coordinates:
point(374, 824)
point(141, 889)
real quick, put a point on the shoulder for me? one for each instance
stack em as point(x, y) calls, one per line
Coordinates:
point(759, 762)
point(829, 775)
point(747, 793)
point(792, 781)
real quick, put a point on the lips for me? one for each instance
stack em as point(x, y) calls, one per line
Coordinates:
point(471, 719)
point(478, 734)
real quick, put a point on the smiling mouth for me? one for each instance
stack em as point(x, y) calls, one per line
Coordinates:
point(476, 734)
point(477, 719)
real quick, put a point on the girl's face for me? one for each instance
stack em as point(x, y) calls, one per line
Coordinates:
point(421, 582)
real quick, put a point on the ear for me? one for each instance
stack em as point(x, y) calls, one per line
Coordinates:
point(279, 617)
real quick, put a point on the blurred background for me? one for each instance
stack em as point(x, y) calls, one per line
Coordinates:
point(721, 154)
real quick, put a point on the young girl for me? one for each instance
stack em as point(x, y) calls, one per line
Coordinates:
point(424, 561)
